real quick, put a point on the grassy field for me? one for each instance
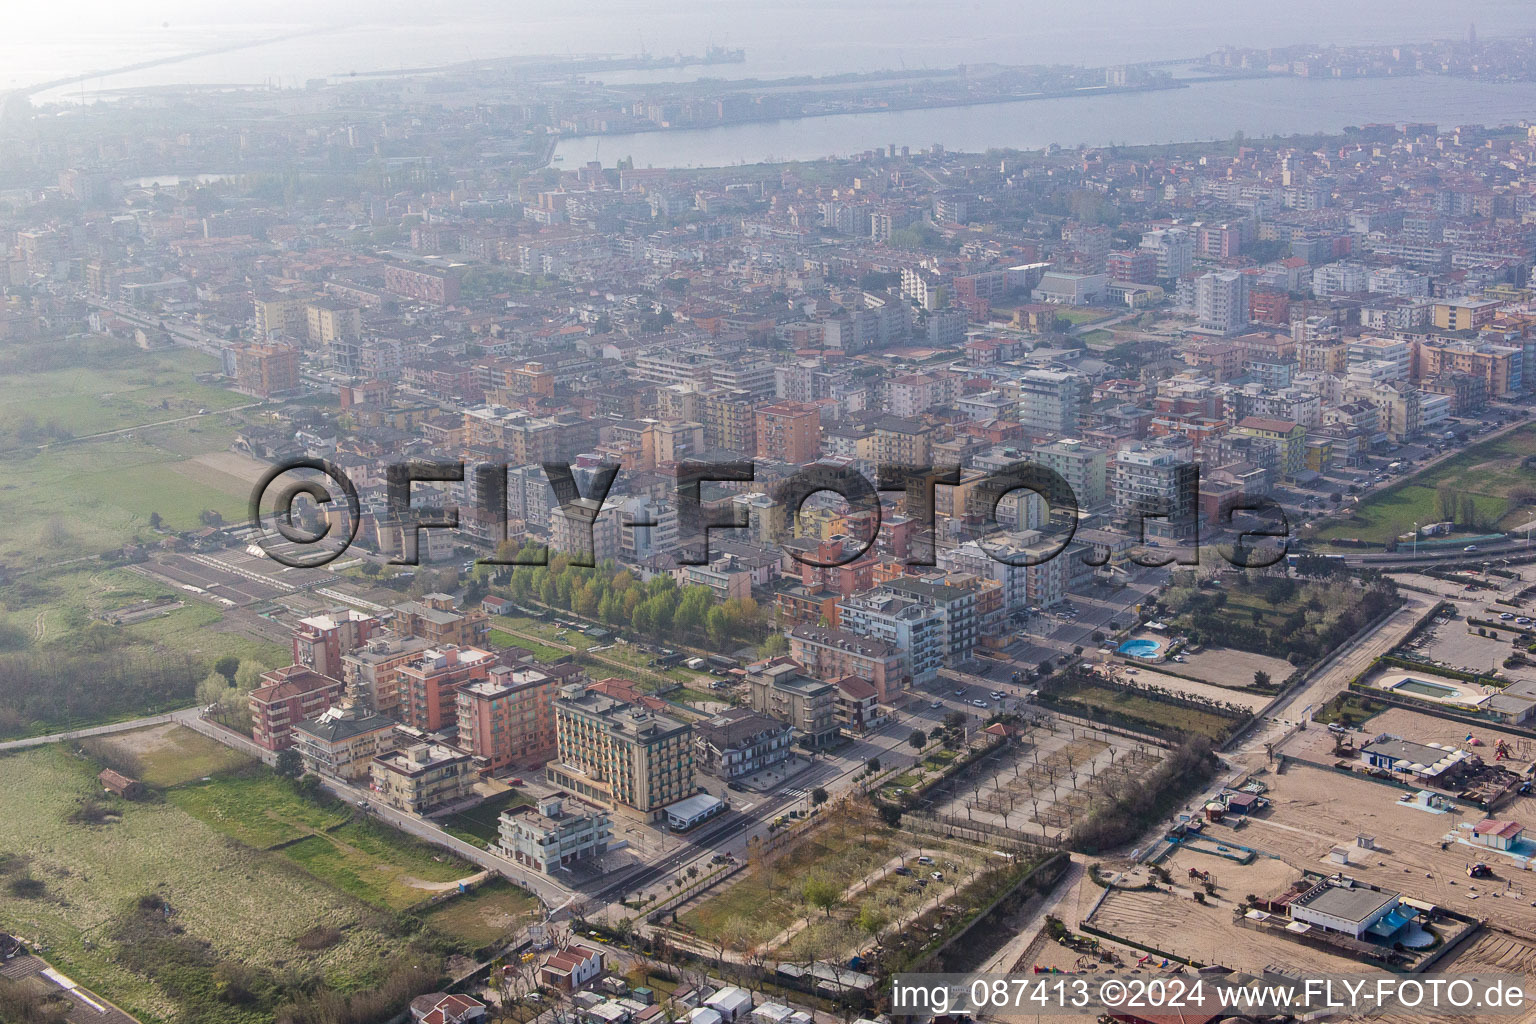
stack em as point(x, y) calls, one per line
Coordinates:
point(1488, 472)
point(503, 639)
point(91, 494)
point(486, 914)
point(1154, 712)
point(480, 824)
point(256, 808)
point(769, 897)
point(189, 629)
point(249, 907)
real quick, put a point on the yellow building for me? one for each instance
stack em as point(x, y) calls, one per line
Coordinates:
point(1464, 314)
point(621, 756)
point(423, 777)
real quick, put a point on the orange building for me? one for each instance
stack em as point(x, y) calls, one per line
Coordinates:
point(429, 685)
point(509, 718)
point(789, 432)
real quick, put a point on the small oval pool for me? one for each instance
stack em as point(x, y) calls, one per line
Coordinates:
point(1140, 648)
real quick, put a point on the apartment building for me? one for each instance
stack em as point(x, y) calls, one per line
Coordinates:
point(620, 755)
point(265, 370)
point(556, 833)
point(789, 432)
point(429, 684)
point(1053, 401)
point(1083, 466)
point(1221, 302)
point(423, 777)
point(435, 620)
point(372, 672)
point(320, 641)
point(740, 742)
point(809, 705)
point(286, 697)
point(913, 628)
point(343, 741)
point(1156, 488)
point(508, 719)
point(828, 653)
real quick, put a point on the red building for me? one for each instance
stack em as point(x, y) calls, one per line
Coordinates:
point(1134, 266)
point(320, 641)
point(1269, 306)
point(287, 697)
point(429, 685)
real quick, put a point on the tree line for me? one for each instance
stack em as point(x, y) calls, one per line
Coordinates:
point(658, 608)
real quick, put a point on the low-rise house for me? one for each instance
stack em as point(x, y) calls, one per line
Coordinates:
point(121, 785)
point(571, 968)
point(442, 1008)
point(731, 1003)
point(1497, 835)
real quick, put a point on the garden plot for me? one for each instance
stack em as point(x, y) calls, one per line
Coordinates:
point(1048, 782)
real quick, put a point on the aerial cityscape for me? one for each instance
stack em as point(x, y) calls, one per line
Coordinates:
point(711, 535)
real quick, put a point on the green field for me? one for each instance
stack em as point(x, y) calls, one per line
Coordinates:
point(249, 907)
point(486, 914)
point(82, 494)
point(256, 808)
point(1490, 473)
point(1211, 724)
point(480, 824)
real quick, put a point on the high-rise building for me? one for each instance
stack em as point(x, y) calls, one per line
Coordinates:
point(780, 689)
point(265, 370)
point(1156, 487)
point(1053, 401)
point(1083, 466)
point(621, 756)
point(430, 683)
point(285, 698)
point(789, 432)
point(320, 641)
point(1221, 302)
point(1174, 249)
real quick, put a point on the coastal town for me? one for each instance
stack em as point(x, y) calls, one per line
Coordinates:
point(443, 584)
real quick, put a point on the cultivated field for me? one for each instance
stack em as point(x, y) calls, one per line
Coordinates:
point(852, 859)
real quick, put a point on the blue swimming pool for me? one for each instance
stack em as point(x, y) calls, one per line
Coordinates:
point(1141, 648)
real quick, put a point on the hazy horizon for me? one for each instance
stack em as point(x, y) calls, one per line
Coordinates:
point(785, 38)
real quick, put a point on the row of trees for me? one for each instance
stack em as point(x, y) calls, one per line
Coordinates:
point(62, 688)
point(658, 609)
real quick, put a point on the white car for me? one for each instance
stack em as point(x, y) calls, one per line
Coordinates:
point(979, 703)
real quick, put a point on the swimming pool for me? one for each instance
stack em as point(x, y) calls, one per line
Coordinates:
point(1424, 689)
point(1140, 648)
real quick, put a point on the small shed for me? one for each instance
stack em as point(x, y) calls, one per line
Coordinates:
point(1497, 835)
point(122, 785)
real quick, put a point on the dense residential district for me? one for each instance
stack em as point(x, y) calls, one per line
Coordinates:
point(574, 758)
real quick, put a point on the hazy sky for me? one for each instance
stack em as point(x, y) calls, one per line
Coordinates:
point(41, 41)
